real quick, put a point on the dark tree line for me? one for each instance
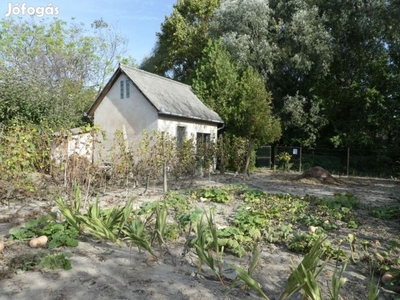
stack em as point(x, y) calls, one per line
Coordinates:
point(331, 67)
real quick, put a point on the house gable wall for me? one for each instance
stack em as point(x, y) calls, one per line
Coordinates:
point(129, 115)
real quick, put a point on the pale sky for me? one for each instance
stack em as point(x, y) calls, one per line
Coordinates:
point(137, 20)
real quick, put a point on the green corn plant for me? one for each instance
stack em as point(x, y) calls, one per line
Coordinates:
point(308, 280)
point(247, 276)
point(136, 227)
point(200, 244)
point(102, 228)
point(304, 276)
point(94, 210)
point(116, 218)
point(135, 234)
point(99, 230)
point(337, 282)
point(206, 255)
point(161, 221)
point(373, 290)
point(74, 208)
point(255, 259)
point(112, 218)
point(127, 211)
point(71, 215)
point(243, 275)
point(215, 245)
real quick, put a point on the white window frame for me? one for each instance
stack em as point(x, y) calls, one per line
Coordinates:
point(180, 140)
point(128, 90)
point(121, 87)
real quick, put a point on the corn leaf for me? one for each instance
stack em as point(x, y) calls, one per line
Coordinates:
point(243, 275)
point(66, 211)
point(133, 238)
point(296, 280)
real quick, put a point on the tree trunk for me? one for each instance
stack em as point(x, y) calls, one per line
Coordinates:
point(248, 157)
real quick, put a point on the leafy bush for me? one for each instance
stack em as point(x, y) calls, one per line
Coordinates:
point(283, 161)
point(48, 260)
point(217, 195)
point(386, 212)
point(303, 242)
point(23, 149)
point(56, 260)
point(338, 201)
point(231, 153)
point(59, 234)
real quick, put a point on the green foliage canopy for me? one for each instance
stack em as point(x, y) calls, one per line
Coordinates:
point(238, 96)
point(360, 92)
point(182, 39)
point(288, 44)
point(332, 67)
point(51, 70)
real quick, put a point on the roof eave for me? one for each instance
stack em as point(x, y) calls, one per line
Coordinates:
point(190, 117)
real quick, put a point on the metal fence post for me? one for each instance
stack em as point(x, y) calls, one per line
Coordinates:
point(348, 161)
point(300, 160)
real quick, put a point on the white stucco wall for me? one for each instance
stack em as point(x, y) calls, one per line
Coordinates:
point(169, 125)
point(129, 115)
point(135, 114)
point(75, 144)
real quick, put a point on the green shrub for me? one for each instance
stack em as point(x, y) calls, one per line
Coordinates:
point(24, 148)
point(282, 160)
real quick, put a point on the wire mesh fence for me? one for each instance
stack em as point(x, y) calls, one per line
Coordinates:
point(263, 157)
point(339, 161)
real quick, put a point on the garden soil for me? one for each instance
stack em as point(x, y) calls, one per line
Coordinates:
point(102, 270)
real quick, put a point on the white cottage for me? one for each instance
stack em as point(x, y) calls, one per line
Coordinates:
point(135, 100)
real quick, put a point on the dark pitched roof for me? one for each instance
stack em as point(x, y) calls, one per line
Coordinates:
point(169, 97)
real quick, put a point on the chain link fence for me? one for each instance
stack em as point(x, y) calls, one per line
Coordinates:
point(339, 161)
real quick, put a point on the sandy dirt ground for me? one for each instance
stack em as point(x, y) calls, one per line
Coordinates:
point(103, 270)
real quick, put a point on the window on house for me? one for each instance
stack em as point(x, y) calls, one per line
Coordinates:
point(128, 92)
point(180, 136)
point(122, 89)
point(203, 155)
point(202, 141)
point(203, 138)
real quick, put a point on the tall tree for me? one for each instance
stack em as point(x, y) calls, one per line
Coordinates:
point(288, 44)
point(216, 81)
point(110, 49)
point(332, 67)
point(182, 39)
point(254, 119)
point(52, 71)
point(361, 90)
point(304, 118)
point(238, 96)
